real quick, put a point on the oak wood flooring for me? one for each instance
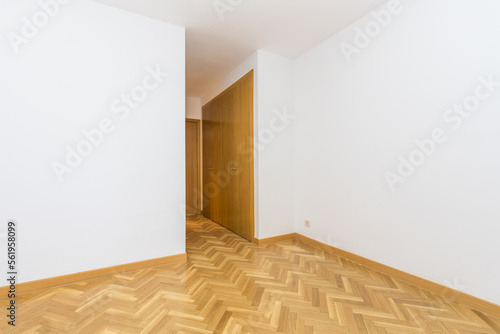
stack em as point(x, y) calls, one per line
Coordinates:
point(230, 285)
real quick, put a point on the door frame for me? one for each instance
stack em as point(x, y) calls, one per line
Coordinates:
point(198, 161)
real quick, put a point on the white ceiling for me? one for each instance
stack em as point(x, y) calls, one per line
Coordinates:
point(214, 47)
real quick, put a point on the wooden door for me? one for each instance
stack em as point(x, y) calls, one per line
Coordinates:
point(228, 158)
point(212, 161)
point(230, 190)
point(192, 167)
point(207, 134)
point(239, 155)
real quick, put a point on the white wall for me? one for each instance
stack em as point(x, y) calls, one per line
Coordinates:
point(275, 145)
point(193, 107)
point(122, 203)
point(246, 66)
point(355, 119)
point(274, 155)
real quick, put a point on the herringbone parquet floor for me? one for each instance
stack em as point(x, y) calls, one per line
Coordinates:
point(232, 286)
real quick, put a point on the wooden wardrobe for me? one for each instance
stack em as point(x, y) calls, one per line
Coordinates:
point(228, 158)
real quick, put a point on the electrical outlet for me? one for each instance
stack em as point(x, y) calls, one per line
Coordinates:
point(307, 223)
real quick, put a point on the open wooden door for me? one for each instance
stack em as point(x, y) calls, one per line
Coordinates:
point(193, 185)
point(228, 158)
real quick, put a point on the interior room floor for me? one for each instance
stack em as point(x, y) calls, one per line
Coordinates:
point(230, 285)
